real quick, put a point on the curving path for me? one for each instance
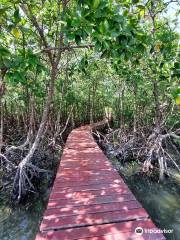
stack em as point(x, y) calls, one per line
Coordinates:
point(89, 200)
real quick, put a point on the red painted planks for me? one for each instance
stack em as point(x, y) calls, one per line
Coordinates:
point(89, 187)
point(94, 193)
point(92, 200)
point(86, 183)
point(74, 210)
point(87, 179)
point(92, 219)
point(89, 200)
point(126, 230)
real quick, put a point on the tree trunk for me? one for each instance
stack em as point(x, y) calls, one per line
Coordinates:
point(40, 134)
point(43, 123)
point(1, 124)
point(135, 107)
point(2, 91)
point(121, 101)
point(156, 101)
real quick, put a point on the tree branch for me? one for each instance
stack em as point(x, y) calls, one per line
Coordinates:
point(34, 22)
point(63, 48)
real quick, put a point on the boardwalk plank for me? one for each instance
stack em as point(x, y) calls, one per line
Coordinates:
point(89, 187)
point(79, 194)
point(87, 201)
point(74, 210)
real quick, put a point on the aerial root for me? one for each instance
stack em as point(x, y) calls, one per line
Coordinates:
point(3, 158)
point(23, 179)
point(21, 147)
point(155, 150)
point(151, 150)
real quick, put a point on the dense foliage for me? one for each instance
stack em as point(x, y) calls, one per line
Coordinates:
point(67, 63)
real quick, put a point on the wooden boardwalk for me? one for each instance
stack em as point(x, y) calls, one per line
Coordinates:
point(89, 200)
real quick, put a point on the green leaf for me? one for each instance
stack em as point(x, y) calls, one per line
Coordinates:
point(19, 78)
point(2, 11)
point(161, 64)
point(4, 51)
point(70, 36)
point(176, 92)
point(98, 46)
point(17, 17)
point(177, 65)
point(96, 3)
point(7, 62)
point(135, 1)
point(115, 33)
point(16, 32)
point(106, 25)
point(125, 13)
point(106, 45)
point(101, 27)
point(142, 7)
point(118, 18)
point(77, 39)
point(178, 99)
point(88, 29)
point(141, 47)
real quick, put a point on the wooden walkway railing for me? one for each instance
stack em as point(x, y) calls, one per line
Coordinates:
point(89, 200)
